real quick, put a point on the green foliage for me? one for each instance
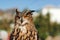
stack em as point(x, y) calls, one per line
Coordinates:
point(45, 27)
point(5, 25)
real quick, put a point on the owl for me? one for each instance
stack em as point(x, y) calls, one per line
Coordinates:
point(24, 28)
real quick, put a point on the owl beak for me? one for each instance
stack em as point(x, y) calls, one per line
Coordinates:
point(21, 20)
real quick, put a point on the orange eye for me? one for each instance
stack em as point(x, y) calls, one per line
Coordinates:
point(18, 17)
point(25, 16)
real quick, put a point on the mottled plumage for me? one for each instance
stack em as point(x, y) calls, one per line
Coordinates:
point(24, 27)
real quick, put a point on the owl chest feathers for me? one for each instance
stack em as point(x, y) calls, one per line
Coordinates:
point(22, 27)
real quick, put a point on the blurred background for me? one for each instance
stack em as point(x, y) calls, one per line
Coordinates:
point(46, 18)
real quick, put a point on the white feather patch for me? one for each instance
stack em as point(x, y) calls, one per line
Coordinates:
point(26, 21)
point(23, 29)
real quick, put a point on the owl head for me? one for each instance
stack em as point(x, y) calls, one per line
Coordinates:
point(23, 17)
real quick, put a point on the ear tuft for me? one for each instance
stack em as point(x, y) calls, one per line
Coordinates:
point(32, 10)
point(17, 12)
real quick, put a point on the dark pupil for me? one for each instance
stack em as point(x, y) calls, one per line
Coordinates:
point(18, 16)
point(29, 13)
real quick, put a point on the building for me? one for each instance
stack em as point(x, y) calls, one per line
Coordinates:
point(54, 12)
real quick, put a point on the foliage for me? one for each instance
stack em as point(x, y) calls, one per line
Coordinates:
point(5, 25)
point(45, 27)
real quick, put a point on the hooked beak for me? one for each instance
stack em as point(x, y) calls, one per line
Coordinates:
point(21, 20)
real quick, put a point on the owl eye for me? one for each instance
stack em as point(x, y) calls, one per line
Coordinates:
point(29, 13)
point(18, 17)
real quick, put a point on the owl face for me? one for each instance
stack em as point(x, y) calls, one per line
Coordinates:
point(23, 17)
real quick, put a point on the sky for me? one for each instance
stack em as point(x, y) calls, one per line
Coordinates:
point(31, 4)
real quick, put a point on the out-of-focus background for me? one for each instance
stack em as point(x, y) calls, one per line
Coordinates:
point(46, 18)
